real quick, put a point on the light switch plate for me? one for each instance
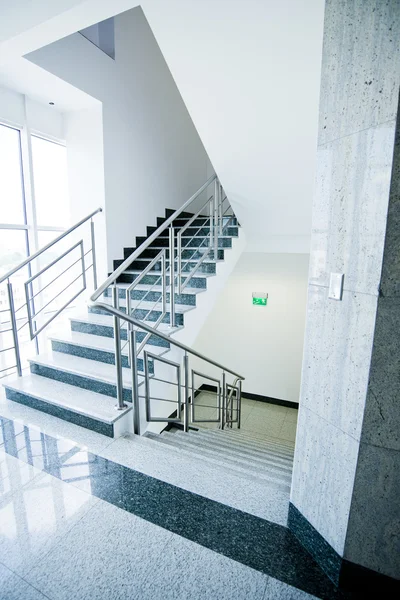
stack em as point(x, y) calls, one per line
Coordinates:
point(336, 286)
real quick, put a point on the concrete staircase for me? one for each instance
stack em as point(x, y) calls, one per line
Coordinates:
point(75, 379)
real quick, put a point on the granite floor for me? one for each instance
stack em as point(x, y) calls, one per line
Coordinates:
point(74, 524)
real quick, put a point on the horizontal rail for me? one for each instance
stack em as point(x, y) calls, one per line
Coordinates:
point(54, 262)
point(140, 325)
point(147, 243)
point(49, 245)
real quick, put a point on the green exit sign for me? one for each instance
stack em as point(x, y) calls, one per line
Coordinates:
point(260, 298)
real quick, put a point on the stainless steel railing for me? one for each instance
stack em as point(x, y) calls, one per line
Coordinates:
point(35, 309)
point(174, 267)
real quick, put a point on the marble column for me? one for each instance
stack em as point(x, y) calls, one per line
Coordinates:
point(346, 469)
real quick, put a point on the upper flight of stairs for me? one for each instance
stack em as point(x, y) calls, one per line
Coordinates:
point(76, 379)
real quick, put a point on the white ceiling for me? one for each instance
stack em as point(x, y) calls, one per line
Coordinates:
point(248, 71)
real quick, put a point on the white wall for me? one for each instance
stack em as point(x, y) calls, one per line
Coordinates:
point(84, 137)
point(40, 118)
point(153, 157)
point(265, 344)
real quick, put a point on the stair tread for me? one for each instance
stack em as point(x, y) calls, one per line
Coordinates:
point(261, 439)
point(179, 308)
point(98, 342)
point(232, 460)
point(266, 443)
point(81, 401)
point(108, 320)
point(198, 274)
point(91, 369)
point(268, 452)
point(158, 288)
point(250, 475)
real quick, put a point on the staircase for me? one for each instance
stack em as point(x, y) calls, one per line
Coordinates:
point(89, 364)
point(254, 458)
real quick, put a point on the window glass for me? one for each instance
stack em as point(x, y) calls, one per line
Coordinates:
point(11, 185)
point(51, 183)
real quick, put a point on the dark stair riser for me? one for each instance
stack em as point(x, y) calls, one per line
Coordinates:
point(62, 413)
point(200, 230)
point(181, 222)
point(139, 265)
point(86, 383)
point(108, 331)
point(225, 241)
point(187, 246)
point(95, 354)
point(151, 279)
point(188, 254)
point(142, 314)
point(186, 299)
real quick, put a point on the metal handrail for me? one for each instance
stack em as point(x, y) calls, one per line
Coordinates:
point(49, 245)
point(136, 253)
point(139, 324)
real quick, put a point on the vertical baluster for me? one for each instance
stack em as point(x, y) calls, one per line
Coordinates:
point(239, 403)
point(118, 356)
point(172, 275)
point(179, 257)
point(164, 283)
point(14, 327)
point(216, 200)
point(135, 382)
point(93, 241)
point(223, 403)
point(221, 196)
point(186, 408)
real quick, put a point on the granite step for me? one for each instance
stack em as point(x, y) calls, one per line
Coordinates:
point(79, 406)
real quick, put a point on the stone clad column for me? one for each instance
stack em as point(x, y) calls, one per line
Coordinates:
point(345, 488)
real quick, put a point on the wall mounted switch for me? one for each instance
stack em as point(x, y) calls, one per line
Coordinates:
point(336, 286)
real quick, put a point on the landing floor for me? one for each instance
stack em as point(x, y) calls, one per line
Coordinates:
point(74, 524)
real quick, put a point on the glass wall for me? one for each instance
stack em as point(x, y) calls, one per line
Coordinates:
point(27, 221)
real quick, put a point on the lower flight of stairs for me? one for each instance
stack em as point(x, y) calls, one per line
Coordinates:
point(254, 457)
point(76, 380)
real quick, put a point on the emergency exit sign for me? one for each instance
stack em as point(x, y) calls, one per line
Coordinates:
point(260, 298)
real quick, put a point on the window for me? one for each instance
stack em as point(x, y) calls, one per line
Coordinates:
point(51, 183)
point(21, 234)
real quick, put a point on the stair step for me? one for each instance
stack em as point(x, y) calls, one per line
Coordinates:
point(234, 469)
point(83, 373)
point(260, 439)
point(186, 298)
point(206, 267)
point(154, 277)
point(189, 254)
point(249, 442)
point(82, 407)
point(233, 461)
point(97, 348)
point(188, 241)
point(102, 325)
point(202, 229)
point(252, 457)
point(266, 453)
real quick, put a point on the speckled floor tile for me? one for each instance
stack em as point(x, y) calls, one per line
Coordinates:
point(291, 415)
point(201, 478)
point(277, 590)
point(107, 555)
point(201, 574)
point(13, 587)
point(34, 518)
point(288, 431)
point(14, 474)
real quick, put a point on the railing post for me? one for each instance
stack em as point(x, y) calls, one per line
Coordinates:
point(216, 200)
point(164, 283)
point(221, 195)
point(118, 356)
point(223, 408)
point(135, 383)
point(186, 408)
point(93, 241)
point(14, 327)
point(239, 404)
point(172, 275)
